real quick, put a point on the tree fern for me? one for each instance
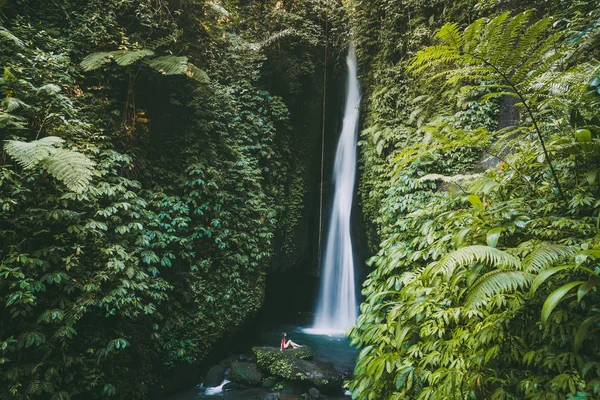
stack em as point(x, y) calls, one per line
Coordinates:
point(470, 255)
point(70, 167)
point(496, 282)
point(509, 53)
point(196, 73)
point(121, 57)
point(169, 65)
point(74, 169)
point(30, 154)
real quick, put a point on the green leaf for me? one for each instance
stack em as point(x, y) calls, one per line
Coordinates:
point(555, 298)
point(169, 65)
point(493, 235)
point(476, 203)
point(582, 331)
point(585, 288)
point(544, 275)
point(583, 135)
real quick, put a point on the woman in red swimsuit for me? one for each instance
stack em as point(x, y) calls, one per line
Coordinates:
point(287, 343)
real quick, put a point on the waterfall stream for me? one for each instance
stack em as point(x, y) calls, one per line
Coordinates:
point(337, 308)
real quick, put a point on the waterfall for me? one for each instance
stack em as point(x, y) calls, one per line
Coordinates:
point(337, 308)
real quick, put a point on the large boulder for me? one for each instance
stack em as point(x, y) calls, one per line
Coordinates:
point(321, 375)
point(265, 356)
point(214, 376)
point(248, 373)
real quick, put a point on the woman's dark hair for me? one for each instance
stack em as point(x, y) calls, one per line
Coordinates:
point(282, 335)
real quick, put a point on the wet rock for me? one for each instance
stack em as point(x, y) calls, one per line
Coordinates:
point(271, 396)
point(214, 376)
point(290, 388)
point(270, 382)
point(242, 358)
point(314, 393)
point(226, 362)
point(320, 375)
point(243, 372)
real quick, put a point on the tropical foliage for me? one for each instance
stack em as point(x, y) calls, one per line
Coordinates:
point(147, 172)
point(484, 282)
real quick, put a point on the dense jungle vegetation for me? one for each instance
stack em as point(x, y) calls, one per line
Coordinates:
point(480, 159)
point(150, 172)
point(157, 154)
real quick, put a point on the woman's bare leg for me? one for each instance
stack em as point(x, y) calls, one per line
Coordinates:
point(294, 345)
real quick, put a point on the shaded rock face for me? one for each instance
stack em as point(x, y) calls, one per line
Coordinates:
point(270, 382)
point(317, 374)
point(248, 373)
point(295, 365)
point(214, 376)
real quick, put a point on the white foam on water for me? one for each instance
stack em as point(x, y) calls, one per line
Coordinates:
point(213, 391)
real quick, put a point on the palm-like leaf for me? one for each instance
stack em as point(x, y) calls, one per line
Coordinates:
point(121, 57)
point(8, 35)
point(74, 169)
point(470, 255)
point(556, 297)
point(496, 282)
point(547, 255)
point(70, 167)
point(30, 154)
point(169, 65)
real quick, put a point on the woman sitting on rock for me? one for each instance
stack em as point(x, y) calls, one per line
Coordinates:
point(287, 343)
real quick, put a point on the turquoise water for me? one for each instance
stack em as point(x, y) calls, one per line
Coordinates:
point(331, 349)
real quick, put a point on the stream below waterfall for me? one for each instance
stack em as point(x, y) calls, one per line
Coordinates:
point(329, 349)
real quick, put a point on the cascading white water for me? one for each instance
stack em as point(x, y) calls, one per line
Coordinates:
point(337, 309)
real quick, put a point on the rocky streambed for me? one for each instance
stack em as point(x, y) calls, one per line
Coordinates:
point(291, 373)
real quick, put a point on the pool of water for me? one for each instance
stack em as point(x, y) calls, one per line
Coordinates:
point(328, 348)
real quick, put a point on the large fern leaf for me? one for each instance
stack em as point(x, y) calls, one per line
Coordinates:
point(496, 282)
point(468, 256)
point(546, 256)
point(191, 71)
point(128, 57)
point(30, 154)
point(169, 65)
point(70, 167)
point(121, 57)
point(95, 60)
point(8, 35)
point(74, 169)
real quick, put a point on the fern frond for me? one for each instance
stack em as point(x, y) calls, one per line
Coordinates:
point(50, 88)
point(546, 256)
point(494, 283)
point(128, 57)
point(70, 167)
point(155, 44)
point(169, 65)
point(121, 57)
point(74, 169)
point(191, 71)
point(29, 154)
point(95, 60)
point(490, 46)
point(11, 104)
point(470, 255)
point(449, 34)
point(8, 35)
point(512, 37)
